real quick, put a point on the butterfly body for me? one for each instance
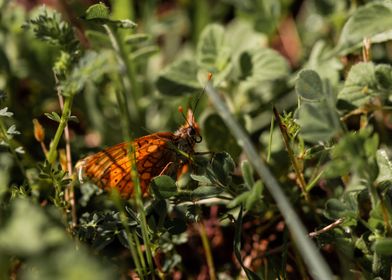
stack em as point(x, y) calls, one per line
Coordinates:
point(154, 154)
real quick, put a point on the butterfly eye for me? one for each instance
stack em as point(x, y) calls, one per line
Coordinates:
point(194, 135)
point(198, 139)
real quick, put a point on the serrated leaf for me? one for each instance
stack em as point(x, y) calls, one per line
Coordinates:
point(309, 85)
point(179, 78)
point(212, 51)
point(4, 112)
point(48, 26)
point(91, 67)
point(366, 22)
point(360, 85)
point(318, 122)
point(263, 65)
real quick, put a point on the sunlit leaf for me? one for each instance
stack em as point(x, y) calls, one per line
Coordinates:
point(366, 22)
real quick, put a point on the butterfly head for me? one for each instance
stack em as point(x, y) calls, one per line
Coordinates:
point(189, 133)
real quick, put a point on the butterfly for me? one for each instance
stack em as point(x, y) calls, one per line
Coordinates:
point(155, 154)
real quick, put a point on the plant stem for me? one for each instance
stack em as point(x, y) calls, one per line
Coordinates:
point(130, 236)
point(207, 249)
point(126, 83)
point(298, 172)
point(123, 105)
point(318, 268)
point(69, 192)
point(51, 156)
point(270, 139)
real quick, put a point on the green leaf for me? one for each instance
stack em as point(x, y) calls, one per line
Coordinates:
point(247, 173)
point(251, 200)
point(201, 178)
point(366, 22)
point(164, 186)
point(212, 51)
point(91, 67)
point(383, 74)
point(322, 61)
point(318, 121)
point(384, 166)
point(48, 26)
point(218, 137)
point(144, 53)
point(255, 197)
point(222, 167)
point(309, 85)
point(67, 263)
point(100, 11)
point(176, 226)
point(262, 65)
point(179, 78)
point(383, 246)
point(53, 116)
point(137, 38)
point(205, 192)
point(346, 208)
point(360, 85)
point(28, 230)
point(355, 152)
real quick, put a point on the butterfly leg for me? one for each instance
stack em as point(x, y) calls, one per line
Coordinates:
point(166, 168)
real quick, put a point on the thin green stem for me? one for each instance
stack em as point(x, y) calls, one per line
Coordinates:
point(51, 156)
point(297, 169)
point(318, 268)
point(270, 139)
point(207, 249)
point(126, 80)
point(130, 235)
point(142, 215)
point(122, 101)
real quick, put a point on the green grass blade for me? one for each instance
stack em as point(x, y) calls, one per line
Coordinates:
point(313, 259)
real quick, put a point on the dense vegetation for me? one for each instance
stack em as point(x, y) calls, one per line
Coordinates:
point(306, 86)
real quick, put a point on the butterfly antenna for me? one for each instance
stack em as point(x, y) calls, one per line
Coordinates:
point(181, 110)
point(209, 77)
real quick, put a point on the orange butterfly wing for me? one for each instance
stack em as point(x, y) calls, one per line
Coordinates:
point(111, 168)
